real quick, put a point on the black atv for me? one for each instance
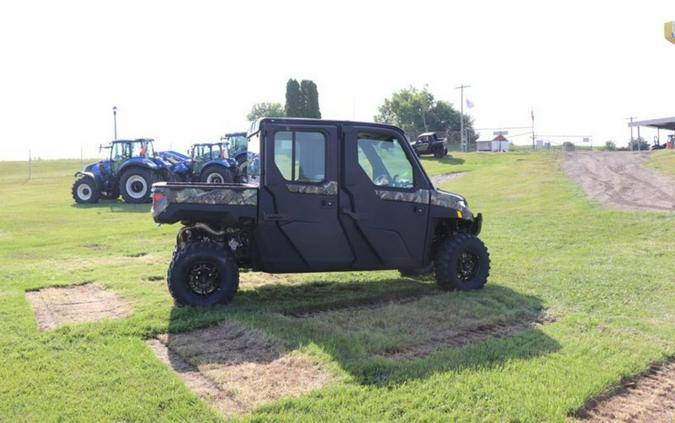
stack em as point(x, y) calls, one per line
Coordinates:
point(327, 196)
point(430, 143)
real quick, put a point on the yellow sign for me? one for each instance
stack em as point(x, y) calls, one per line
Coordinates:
point(669, 31)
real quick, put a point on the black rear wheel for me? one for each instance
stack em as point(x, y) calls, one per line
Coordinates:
point(136, 184)
point(85, 191)
point(463, 263)
point(203, 273)
point(217, 175)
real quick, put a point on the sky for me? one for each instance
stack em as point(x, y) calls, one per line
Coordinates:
point(184, 72)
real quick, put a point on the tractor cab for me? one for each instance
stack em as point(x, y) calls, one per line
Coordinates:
point(237, 145)
point(123, 150)
point(210, 162)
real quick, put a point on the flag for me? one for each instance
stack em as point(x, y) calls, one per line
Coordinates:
point(469, 104)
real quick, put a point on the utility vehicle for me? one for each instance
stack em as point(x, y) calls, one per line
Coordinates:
point(132, 168)
point(326, 196)
point(431, 143)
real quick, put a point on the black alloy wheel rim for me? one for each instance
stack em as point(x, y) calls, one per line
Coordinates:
point(203, 279)
point(467, 266)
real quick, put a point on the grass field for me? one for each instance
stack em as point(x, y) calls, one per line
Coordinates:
point(663, 161)
point(608, 277)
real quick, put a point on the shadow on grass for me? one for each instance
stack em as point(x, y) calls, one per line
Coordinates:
point(449, 160)
point(356, 324)
point(115, 206)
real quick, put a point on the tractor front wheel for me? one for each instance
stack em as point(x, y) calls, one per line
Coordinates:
point(85, 191)
point(203, 273)
point(462, 263)
point(135, 185)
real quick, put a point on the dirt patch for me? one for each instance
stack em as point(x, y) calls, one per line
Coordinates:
point(460, 338)
point(441, 179)
point(621, 180)
point(647, 398)
point(55, 307)
point(236, 369)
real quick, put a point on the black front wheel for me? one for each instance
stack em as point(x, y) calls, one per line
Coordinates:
point(203, 273)
point(85, 191)
point(462, 263)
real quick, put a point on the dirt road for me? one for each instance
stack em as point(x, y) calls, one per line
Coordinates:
point(621, 181)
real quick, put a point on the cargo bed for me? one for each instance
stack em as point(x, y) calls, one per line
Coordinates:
point(201, 202)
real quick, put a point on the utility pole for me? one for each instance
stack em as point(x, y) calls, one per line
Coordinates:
point(115, 121)
point(29, 165)
point(630, 118)
point(461, 116)
point(532, 114)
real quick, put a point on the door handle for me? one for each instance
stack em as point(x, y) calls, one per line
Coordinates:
point(418, 209)
point(351, 214)
point(274, 216)
point(327, 203)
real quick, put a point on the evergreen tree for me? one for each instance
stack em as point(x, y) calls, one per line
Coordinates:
point(294, 100)
point(310, 96)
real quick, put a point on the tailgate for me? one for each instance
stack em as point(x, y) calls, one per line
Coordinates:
point(201, 202)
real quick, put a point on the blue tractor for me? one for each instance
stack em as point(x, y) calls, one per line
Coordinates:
point(208, 162)
point(131, 170)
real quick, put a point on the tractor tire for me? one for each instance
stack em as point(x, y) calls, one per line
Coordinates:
point(202, 274)
point(462, 263)
point(217, 175)
point(85, 191)
point(438, 152)
point(136, 184)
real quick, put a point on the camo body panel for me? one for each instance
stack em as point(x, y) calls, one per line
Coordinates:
point(447, 200)
point(329, 188)
point(421, 196)
point(218, 196)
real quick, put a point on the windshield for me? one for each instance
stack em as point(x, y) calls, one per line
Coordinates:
point(142, 149)
point(208, 152)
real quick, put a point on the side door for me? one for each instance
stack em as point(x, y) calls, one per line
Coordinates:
point(298, 227)
point(388, 195)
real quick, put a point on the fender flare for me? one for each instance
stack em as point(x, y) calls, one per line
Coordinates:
point(217, 164)
point(142, 164)
point(91, 175)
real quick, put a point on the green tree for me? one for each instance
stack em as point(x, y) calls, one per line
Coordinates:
point(416, 111)
point(260, 110)
point(310, 98)
point(294, 99)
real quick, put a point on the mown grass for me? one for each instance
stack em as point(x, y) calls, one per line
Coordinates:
point(607, 275)
point(663, 161)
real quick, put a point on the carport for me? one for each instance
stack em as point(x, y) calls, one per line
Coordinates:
point(662, 123)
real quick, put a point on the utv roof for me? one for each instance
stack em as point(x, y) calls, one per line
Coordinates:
point(255, 126)
point(236, 134)
point(426, 134)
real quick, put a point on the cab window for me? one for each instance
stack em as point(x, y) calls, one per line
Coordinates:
point(120, 151)
point(384, 161)
point(300, 156)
